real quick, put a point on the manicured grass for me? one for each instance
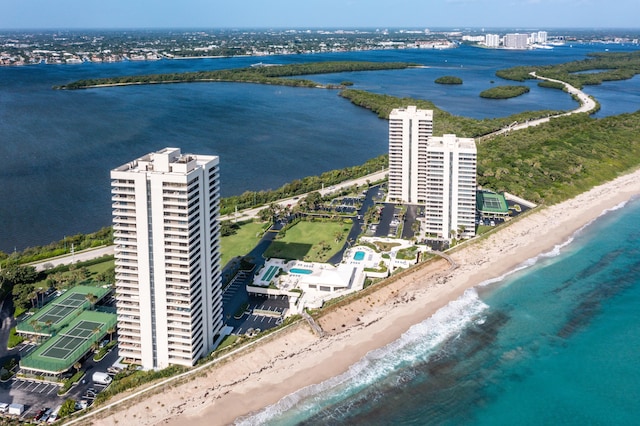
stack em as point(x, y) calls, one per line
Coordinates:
point(242, 242)
point(101, 267)
point(310, 241)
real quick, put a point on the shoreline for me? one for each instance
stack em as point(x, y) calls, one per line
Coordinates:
point(297, 358)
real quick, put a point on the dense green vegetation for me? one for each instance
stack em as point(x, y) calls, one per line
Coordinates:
point(612, 66)
point(261, 74)
point(300, 186)
point(552, 162)
point(552, 85)
point(448, 79)
point(14, 339)
point(28, 286)
point(443, 122)
point(78, 242)
point(504, 92)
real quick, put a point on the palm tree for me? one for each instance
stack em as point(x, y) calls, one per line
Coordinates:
point(111, 330)
point(77, 366)
point(33, 295)
point(91, 298)
point(36, 328)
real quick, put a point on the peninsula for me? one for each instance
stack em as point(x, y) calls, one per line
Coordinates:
point(260, 73)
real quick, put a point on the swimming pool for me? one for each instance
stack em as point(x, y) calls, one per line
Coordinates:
point(359, 255)
point(300, 271)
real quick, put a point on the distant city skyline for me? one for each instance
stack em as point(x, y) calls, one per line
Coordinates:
point(120, 14)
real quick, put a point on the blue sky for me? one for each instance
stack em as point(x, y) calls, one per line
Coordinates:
point(535, 14)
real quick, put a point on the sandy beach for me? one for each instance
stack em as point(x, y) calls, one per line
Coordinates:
point(296, 357)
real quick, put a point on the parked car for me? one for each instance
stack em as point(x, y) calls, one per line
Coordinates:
point(46, 414)
point(82, 404)
point(39, 414)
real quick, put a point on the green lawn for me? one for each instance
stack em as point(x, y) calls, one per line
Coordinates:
point(310, 241)
point(101, 267)
point(242, 242)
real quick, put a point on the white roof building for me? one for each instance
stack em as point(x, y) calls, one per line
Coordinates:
point(167, 251)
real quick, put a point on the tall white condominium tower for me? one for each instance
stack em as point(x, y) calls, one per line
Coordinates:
point(451, 188)
point(167, 251)
point(516, 41)
point(409, 130)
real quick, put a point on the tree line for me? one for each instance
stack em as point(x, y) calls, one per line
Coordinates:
point(443, 122)
point(249, 199)
point(609, 66)
point(257, 74)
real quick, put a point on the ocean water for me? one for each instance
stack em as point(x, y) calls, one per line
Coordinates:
point(57, 147)
point(554, 342)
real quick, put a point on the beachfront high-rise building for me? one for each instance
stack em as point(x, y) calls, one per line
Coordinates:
point(167, 251)
point(409, 130)
point(450, 207)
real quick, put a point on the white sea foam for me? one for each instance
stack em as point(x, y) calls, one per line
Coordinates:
point(415, 345)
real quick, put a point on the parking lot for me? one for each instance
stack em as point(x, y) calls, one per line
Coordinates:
point(265, 313)
point(32, 394)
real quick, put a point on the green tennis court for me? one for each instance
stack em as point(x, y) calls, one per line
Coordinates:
point(489, 203)
point(63, 348)
point(83, 329)
point(60, 352)
point(62, 310)
point(55, 314)
point(74, 300)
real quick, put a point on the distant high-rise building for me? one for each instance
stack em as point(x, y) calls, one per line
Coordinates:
point(516, 41)
point(542, 37)
point(409, 130)
point(167, 255)
point(450, 206)
point(492, 40)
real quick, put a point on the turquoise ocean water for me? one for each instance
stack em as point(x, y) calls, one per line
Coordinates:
point(555, 342)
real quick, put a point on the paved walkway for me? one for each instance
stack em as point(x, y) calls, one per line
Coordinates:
point(314, 325)
point(452, 263)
